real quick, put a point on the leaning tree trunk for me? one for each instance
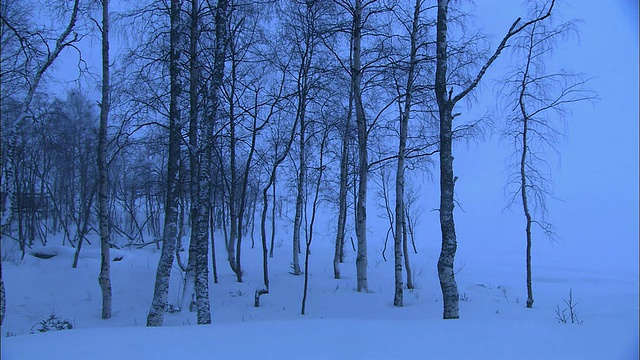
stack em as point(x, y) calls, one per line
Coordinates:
point(163, 273)
point(104, 279)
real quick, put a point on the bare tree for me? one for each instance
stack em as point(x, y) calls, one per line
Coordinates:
point(536, 99)
point(206, 168)
point(314, 207)
point(194, 153)
point(446, 101)
point(363, 166)
point(400, 221)
point(43, 59)
point(104, 279)
point(303, 20)
point(163, 273)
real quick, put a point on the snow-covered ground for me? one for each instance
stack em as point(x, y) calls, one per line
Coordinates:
point(340, 323)
point(597, 259)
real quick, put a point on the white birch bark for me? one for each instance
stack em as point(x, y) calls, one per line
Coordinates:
point(363, 167)
point(342, 206)
point(188, 295)
point(206, 175)
point(400, 238)
point(163, 273)
point(104, 279)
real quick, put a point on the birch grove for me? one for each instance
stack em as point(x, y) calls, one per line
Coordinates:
point(232, 116)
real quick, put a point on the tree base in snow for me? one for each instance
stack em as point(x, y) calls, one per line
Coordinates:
point(257, 296)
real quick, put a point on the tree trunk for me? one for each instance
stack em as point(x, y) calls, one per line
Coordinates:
point(525, 208)
point(400, 243)
point(188, 295)
point(523, 168)
point(302, 173)
point(245, 185)
point(405, 249)
point(447, 180)
point(235, 219)
point(214, 266)
point(163, 273)
point(303, 93)
point(363, 171)
point(342, 207)
point(273, 217)
point(104, 279)
point(271, 182)
point(194, 161)
point(314, 207)
point(446, 273)
point(3, 300)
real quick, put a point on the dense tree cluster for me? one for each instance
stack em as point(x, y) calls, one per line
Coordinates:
point(221, 114)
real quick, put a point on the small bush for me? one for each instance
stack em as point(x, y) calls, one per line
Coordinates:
point(53, 323)
point(570, 313)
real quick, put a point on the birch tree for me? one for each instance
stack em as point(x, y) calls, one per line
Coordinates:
point(338, 256)
point(206, 175)
point(363, 166)
point(27, 53)
point(447, 101)
point(29, 60)
point(303, 21)
point(194, 152)
point(314, 207)
point(163, 273)
point(400, 218)
point(37, 51)
point(537, 101)
point(104, 279)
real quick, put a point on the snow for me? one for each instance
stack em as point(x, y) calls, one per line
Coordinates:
point(327, 339)
point(597, 259)
point(340, 323)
